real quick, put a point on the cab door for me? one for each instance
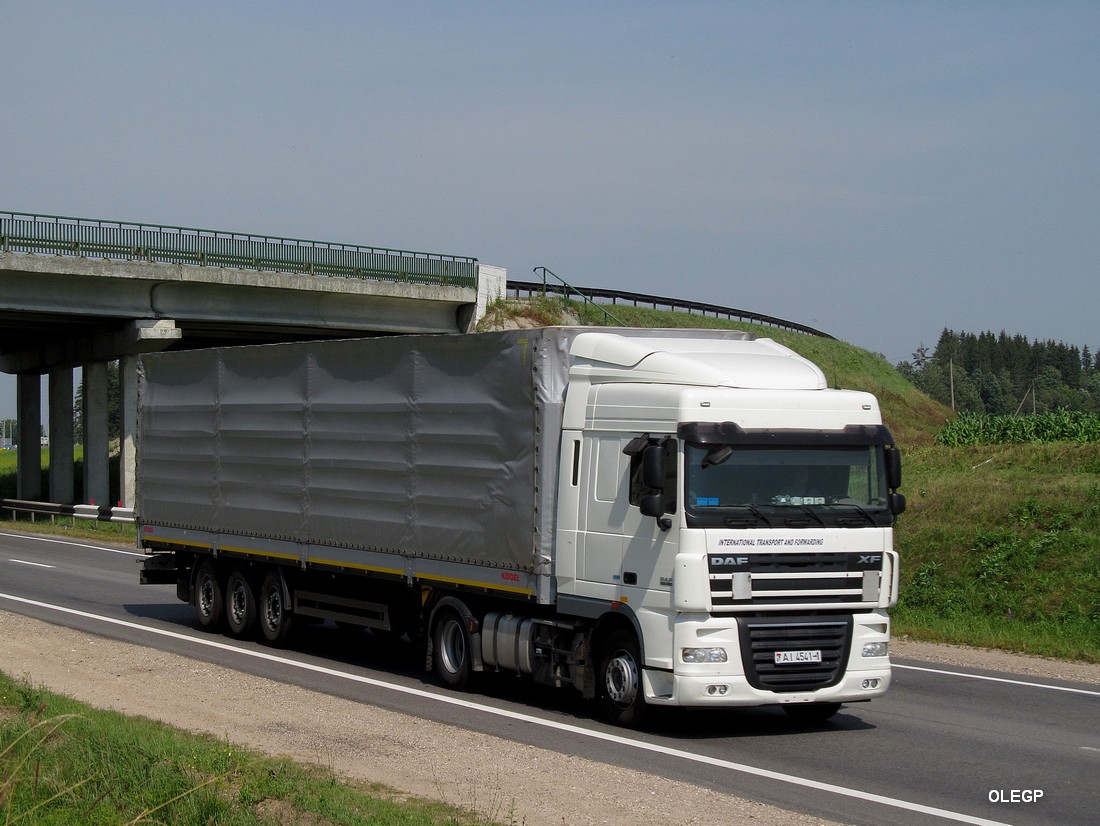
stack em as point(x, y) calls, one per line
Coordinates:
point(649, 541)
point(604, 509)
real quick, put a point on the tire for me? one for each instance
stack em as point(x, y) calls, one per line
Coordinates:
point(273, 612)
point(811, 712)
point(240, 604)
point(209, 596)
point(619, 680)
point(451, 651)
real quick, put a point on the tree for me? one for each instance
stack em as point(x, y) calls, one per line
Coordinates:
point(992, 393)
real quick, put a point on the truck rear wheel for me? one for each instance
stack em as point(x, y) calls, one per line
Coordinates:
point(240, 609)
point(451, 650)
point(274, 613)
point(619, 681)
point(209, 595)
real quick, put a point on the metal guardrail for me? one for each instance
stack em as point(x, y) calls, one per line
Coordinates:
point(54, 510)
point(91, 238)
point(565, 289)
point(529, 288)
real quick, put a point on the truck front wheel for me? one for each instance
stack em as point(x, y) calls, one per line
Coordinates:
point(209, 596)
point(451, 650)
point(619, 681)
point(274, 614)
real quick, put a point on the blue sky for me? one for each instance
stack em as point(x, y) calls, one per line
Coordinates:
point(877, 170)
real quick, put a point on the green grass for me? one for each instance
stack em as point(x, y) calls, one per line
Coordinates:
point(63, 762)
point(999, 548)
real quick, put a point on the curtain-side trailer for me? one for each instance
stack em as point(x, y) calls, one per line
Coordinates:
point(653, 517)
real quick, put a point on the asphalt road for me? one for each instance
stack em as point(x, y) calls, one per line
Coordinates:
point(945, 745)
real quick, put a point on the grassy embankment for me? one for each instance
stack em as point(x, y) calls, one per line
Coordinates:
point(66, 764)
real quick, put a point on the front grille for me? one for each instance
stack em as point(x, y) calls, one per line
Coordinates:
point(739, 581)
point(762, 637)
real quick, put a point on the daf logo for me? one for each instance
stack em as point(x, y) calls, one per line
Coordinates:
point(730, 560)
point(869, 559)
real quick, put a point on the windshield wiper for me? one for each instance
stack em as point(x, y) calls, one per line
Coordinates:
point(741, 520)
point(852, 520)
point(810, 513)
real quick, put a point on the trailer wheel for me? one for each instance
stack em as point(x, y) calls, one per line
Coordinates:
point(451, 650)
point(209, 596)
point(619, 681)
point(274, 613)
point(240, 608)
point(811, 712)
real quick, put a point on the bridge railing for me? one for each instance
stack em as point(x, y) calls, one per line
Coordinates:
point(90, 238)
point(529, 288)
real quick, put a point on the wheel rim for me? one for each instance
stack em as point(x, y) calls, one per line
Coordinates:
point(452, 646)
point(621, 679)
point(238, 601)
point(206, 595)
point(273, 608)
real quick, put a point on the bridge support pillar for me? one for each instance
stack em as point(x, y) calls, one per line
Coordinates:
point(97, 483)
point(28, 391)
point(128, 403)
point(492, 283)
point(62, 481)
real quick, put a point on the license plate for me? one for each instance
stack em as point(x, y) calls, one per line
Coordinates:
point(791, 657)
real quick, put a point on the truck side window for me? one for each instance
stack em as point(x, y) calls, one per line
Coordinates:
point(638, 488)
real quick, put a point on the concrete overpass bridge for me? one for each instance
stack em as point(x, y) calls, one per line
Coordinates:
point(85, 293)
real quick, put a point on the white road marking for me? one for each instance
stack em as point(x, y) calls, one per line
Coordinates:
point(1086, 691)
point(67, 542)
point(35, 564)
point(617, 739)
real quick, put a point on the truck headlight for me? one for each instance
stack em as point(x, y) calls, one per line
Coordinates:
point(876, 649)
point(704, 655)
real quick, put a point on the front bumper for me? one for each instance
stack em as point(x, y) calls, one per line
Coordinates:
point(755, 679)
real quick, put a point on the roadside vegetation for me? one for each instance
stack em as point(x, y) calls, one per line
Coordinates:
point(64, 763)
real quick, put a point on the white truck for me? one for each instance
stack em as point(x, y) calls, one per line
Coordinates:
point(653, 517)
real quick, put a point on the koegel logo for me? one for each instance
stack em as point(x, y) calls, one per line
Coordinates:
point(509, 577)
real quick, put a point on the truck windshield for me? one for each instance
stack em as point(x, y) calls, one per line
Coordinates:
point(785, 486)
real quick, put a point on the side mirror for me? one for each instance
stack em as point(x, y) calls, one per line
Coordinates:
point(653, 504)
point(893, 468)
point(653, 467)
point(897, 503)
